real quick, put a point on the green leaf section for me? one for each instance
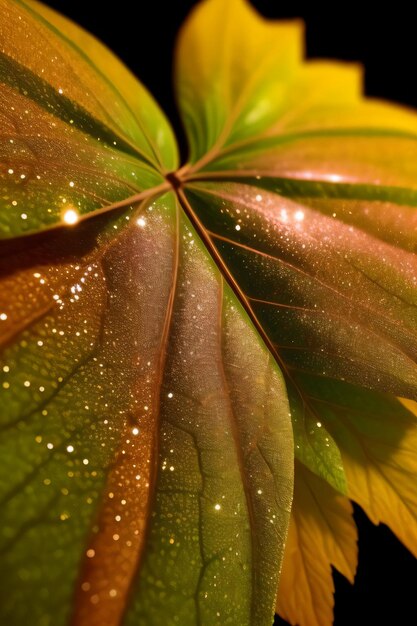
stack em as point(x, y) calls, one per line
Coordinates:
point(141, 456)
point(58, 174)
point(291, 257)
point(90, 76)
point(234, 89)
point(314, 445)
point(223, 492)
point(71, 142)
point(376, 156)
point(55, 421)
point(297, 260)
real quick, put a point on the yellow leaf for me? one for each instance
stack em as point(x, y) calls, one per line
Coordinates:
point(322, 533)
point(380, 460)
point(232, 70)
point(329, 95)
point(242, 79)
point(377, 437)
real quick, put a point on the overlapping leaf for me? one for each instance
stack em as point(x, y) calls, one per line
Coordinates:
point(225, 91)
point(146, 471)
point(377, 438)
point(322, 533)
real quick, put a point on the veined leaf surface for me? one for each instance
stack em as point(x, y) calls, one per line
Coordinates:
point(71, 142)
point(291, 261)
point(124, 410)
point(312, 213)
point(153, 352)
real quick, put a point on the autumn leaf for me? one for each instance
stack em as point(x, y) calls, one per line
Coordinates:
point(322, 533)
point(160, 324)
point(377, 438)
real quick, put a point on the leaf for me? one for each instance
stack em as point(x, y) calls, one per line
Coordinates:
point(322, 533)
point(225, 90)
point(141, 457)
point(376, 434)
point(146, 449)
point(297, 230)
point(290, 261)
point(377, 437)
point(125, 99)
point(255, 91)
point(312, 216)
point(71, 142)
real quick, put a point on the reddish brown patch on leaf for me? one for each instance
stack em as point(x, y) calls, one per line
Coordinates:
point(113, 553)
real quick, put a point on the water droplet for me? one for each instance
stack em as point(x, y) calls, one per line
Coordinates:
point(71, 217)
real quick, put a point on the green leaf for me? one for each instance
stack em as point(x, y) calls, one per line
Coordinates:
point(140, 453)
point(225, 91)
point(291, 256)
point(72, 142)
point(123, 100)
point(291, 261)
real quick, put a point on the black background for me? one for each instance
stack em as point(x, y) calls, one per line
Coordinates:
point(384, 41)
